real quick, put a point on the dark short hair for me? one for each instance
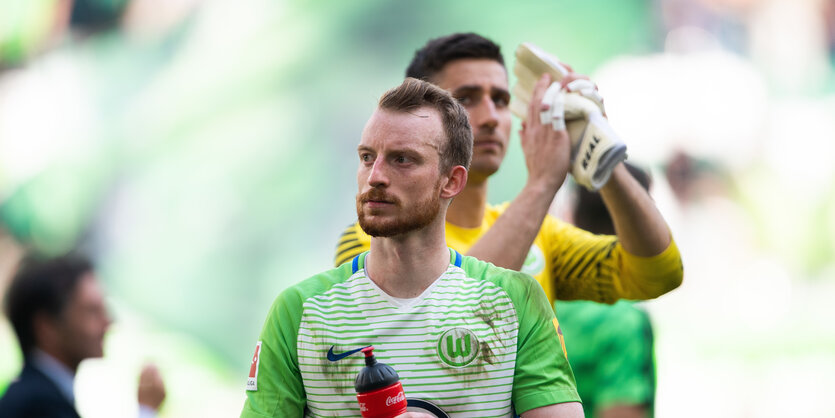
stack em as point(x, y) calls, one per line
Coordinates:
point(41, 285)
point(432, 57)
point(413, 94)
point(590, 212)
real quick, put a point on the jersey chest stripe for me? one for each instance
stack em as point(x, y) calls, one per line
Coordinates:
point(427, 312)
point(437, 381)
point(411, 360)
point(463, 288)
point(354, 310)
point(314, 395)
point(412, 376)
point(475, 387)
point(359, 316)
point(409, 346)
point(418, 320)
point(507, 381)
point(450, 305)
point(415, 352)
point(483, 397)
point(466, 286)
point(463, 304)
point(351, 328)
point(329, 320)
point(498, 395)
point(408, 376)
point(348, 301)
point(316, 367)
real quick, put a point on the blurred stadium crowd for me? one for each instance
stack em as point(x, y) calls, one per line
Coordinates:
point(202, 152)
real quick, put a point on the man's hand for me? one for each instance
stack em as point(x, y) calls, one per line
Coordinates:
point(151, 388)
point(547, 151)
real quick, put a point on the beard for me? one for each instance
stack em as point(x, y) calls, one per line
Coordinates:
point(414, 217)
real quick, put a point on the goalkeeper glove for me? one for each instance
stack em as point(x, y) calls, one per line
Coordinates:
point(595, 148)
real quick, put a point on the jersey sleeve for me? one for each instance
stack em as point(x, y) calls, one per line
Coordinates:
point(542, 375)
point(352, 242)
point(597, 268)
point(611, 348)
point(278, 390)
point(626, 373)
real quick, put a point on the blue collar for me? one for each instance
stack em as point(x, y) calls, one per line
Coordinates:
point(55, 371)
point(359, 260)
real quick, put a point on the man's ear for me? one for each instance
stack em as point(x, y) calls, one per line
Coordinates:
point(45, 329)
point(455, 182)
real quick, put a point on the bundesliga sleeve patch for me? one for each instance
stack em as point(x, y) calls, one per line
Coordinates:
point(252, 381)
point(559, 334)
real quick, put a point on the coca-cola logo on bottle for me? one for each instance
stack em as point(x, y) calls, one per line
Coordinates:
point(391, 400)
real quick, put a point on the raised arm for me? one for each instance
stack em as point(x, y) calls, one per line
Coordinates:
point(547, 154)
point(639, 225)
point(645, 264)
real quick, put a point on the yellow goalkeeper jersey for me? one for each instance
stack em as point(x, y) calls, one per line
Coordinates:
point(568, 262)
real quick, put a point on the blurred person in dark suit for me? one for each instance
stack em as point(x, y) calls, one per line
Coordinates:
point(57, 310)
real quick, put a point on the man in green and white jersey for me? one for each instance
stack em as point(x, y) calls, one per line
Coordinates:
point(468, 339)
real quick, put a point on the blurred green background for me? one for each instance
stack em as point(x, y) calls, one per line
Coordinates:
point(204, 153)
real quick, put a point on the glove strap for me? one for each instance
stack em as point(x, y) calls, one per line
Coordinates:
point(598, 152)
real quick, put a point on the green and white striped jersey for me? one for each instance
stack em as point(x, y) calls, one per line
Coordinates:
point(481, 341)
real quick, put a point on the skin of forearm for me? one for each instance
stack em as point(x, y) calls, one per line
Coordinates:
point(560, 410)
point(625, 411)
point(508, 241)
point(639, 225)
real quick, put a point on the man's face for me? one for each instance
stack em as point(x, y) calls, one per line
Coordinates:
point(481, 86)
point(399, 177)
point(85, 321)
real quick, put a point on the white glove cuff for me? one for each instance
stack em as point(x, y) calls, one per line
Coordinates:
point(598, 152)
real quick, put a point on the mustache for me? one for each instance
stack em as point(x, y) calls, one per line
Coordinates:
point(377, 195)
point(486, 135)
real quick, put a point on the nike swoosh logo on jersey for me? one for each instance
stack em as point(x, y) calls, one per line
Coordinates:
point(340, 356)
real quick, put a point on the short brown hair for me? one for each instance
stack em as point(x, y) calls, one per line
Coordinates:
point(413, 94)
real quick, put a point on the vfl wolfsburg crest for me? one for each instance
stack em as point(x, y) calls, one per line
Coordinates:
point(534, 262)
point(458, 347)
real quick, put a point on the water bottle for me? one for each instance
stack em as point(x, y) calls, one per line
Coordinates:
point(379, 391)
